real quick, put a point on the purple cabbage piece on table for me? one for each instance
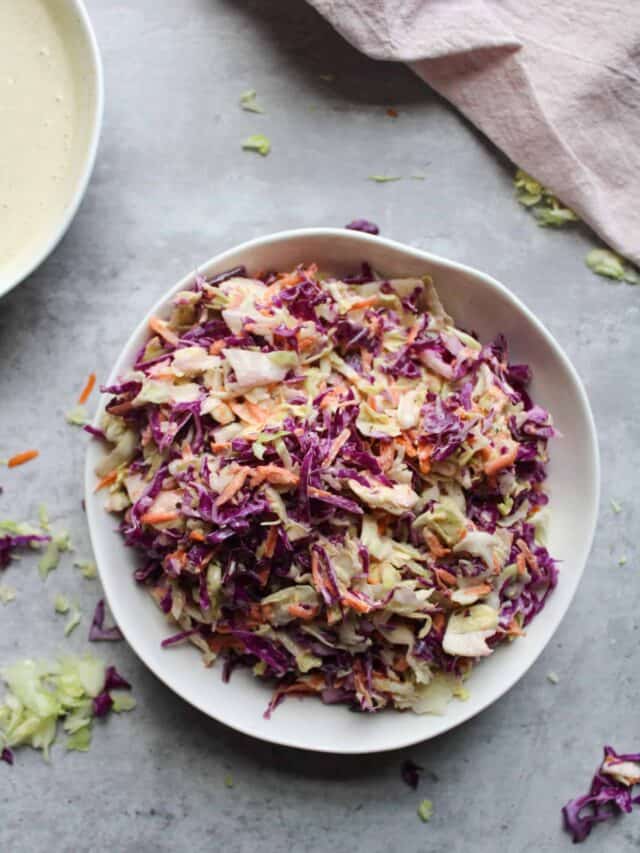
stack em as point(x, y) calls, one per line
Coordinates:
point(98, 632)
point(607, 797)
point(363, 225)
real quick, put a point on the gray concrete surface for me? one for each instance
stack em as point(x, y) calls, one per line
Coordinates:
point(171, 188)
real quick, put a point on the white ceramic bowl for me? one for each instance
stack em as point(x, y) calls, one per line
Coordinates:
point(475, 301)
point(80, 43)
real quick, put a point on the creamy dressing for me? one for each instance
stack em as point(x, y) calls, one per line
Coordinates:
point(40, 129)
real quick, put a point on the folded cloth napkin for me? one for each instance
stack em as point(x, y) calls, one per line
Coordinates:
point(554, 83)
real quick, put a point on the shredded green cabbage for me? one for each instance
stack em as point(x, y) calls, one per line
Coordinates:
point(7, 594)
point(74, 620)
point(88, 568)
point(40, 694)
point(248, 102)
point(50, 559)
point(43, 517)
point(258, 142)
point(548, 211)
point(61, 604)
point(122, 701)
point(425, 811)
point(606, 263)
point(78, 416)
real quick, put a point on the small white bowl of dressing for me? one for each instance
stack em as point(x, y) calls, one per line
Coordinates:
point(51, 102)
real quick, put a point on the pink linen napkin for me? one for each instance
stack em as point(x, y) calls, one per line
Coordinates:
point(554, 83)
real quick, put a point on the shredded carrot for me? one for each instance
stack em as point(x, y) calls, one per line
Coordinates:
point(110, 478)
point(424, 458)
point(318, 493)
point(263, 576)
point(270, 542)
point(88, 388)
point(433, 543)
point(514, 630)
point(315, 572)
point(219, 446)
point(400, 664)
point(233, 486)
point(288, 279)
point(21, 458)
point(120, 408)
point(305, 342)
point(375, 575)
point(330, 396)
point(521, 563)
point(218, 644)
point(216, 347)
point(394, 395)
point(386, 456)
point(256, 411)
point(446, 577)
point(179, 556)
point(479, 590)
point(161, 328)
point(529, 557)
point(438, 622)
point(498, 462)
point(313, 684)
point(274, 474)
point(336, 446)
point(364, 303)
point(159, 517)
point(405, 442)
point(301, 611)
point(413, 333)
point(197, 536)
point(249, 412)
point(355, 603)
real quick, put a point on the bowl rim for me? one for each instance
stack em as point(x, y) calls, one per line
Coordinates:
point(590, 513)
point(95, 130)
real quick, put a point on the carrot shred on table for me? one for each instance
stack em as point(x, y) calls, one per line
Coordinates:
point(21, 458)
point(88, 388)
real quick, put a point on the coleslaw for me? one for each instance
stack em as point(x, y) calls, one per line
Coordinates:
point(331, 483)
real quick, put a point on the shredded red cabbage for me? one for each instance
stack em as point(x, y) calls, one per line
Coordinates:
point(610, 794)
point(410, 772)
point(363, 225)
point(97, 631)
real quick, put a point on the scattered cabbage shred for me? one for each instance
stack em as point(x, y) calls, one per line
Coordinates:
point(548, 211)
point(610, 794)
point(606, 263)
point(39, 694)
point(332, 484)
point(258, 142)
